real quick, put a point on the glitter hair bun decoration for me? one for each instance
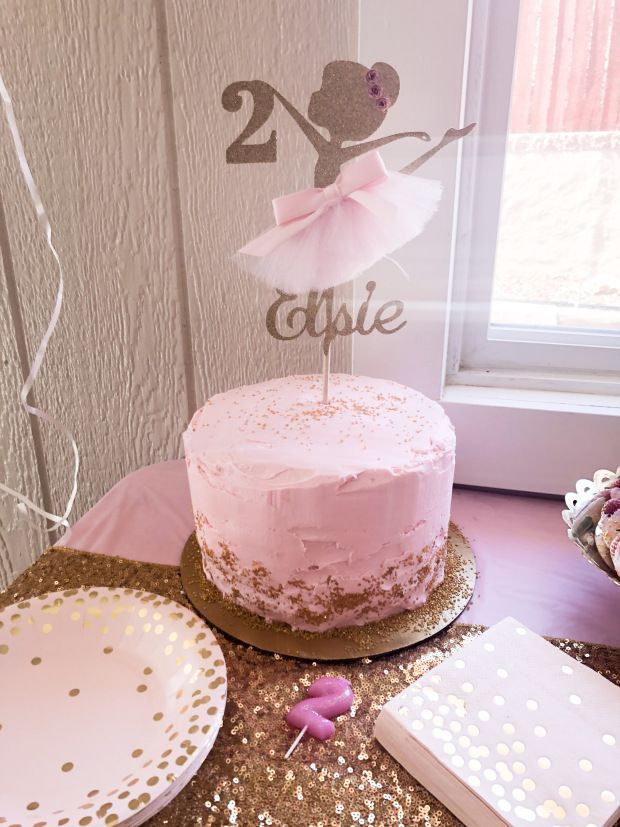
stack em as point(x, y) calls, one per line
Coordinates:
point(375, 90)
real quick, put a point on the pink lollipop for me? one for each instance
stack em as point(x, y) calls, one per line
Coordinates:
point(327, 698)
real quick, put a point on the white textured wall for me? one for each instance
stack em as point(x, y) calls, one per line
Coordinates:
point(119, 108)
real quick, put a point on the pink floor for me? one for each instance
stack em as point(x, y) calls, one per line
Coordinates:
point(527, 566)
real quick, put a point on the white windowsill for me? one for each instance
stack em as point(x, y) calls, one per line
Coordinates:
point(534, 391)
point(533, 441)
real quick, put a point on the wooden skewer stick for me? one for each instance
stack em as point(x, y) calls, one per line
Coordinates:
point(293, 746)
point(326, 361)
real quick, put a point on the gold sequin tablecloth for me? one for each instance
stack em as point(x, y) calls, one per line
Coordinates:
point(349, 780)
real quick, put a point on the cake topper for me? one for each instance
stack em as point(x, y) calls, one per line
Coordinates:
point(357, 212)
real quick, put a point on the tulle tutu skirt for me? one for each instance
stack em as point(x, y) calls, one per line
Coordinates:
point(347, 238)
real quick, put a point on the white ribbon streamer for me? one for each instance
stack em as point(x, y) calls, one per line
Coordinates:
point(38, 359)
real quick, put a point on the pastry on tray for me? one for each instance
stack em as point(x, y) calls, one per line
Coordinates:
point(593, 518)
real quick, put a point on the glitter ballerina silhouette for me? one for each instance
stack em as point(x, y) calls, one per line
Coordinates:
point(350, 105)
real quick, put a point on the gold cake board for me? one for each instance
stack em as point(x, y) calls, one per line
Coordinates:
point(444, 605)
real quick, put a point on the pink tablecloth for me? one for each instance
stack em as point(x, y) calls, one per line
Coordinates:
point(527, 566)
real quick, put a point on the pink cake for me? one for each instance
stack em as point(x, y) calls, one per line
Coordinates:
point(322, 515)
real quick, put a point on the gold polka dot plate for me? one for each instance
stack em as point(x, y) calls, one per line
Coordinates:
point(444, 605)
point(110, 699)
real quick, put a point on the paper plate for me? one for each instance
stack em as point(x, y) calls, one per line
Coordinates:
point(109, 701)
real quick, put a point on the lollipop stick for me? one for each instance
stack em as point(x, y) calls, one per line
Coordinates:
point(301, 734)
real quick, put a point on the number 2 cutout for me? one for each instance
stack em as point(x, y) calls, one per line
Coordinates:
point(240, 152)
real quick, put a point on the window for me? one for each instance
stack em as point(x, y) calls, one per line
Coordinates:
point(543, 280)
point(514, 297)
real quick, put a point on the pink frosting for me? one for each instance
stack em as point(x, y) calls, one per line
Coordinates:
point(322, 515)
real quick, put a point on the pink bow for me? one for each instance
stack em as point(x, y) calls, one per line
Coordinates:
point(298, 210)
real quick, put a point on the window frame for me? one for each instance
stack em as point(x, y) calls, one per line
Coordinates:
point(516, 431)
point(474, 343)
